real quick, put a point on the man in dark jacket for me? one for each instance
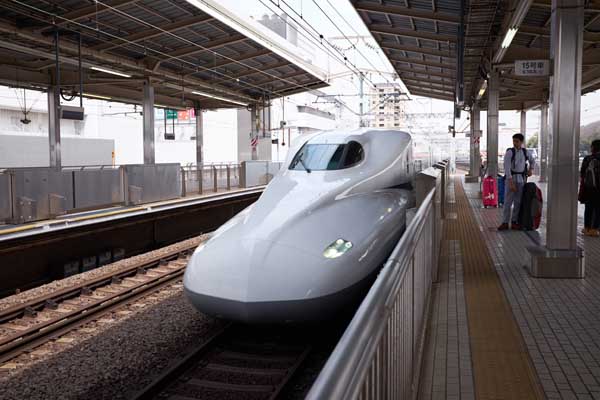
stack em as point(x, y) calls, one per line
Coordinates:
point(589, 190)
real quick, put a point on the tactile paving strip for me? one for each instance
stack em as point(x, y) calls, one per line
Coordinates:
point(502, 368)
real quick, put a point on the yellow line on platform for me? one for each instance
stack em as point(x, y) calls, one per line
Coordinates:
point(502, 368)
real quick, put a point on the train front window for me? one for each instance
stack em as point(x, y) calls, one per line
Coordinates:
point(327, 157)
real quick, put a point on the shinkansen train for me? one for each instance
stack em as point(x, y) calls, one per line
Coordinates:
point(316, 237)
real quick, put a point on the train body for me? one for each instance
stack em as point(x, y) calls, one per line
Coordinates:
point(315, 238)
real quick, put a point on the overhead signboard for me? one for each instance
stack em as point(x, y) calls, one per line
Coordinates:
point(171, 114)
point(183, 115)
point(532, 67)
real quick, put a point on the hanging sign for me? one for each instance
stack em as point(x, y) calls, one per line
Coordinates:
point(532, 67)
point(183, 115)
point(171, 114)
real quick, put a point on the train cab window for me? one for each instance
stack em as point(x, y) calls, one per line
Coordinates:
point(327, 157)
point(354, 154)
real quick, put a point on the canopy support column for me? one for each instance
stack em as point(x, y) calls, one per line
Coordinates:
point(524, 125)
point(475, 155)
point(561, 257)
point(54, 126)
point(543, 142)
point(148, 113)
point(492, 123)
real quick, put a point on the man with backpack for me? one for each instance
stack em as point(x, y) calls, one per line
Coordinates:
point(518, 165)
point(589, 190)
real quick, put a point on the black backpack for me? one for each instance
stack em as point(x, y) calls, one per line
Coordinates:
point(591, 179)
point(513, 152)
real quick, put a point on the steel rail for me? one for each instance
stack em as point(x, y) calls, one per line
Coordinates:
point(195, 360)
point(12, 346)
point(19, 310)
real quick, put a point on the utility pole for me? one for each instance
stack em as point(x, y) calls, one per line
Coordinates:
point(361, 78)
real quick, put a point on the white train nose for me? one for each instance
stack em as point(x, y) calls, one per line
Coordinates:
point(264, 281)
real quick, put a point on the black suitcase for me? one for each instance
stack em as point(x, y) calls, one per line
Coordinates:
point(530, 213)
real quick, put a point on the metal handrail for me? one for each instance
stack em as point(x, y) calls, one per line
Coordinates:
point(345, 373)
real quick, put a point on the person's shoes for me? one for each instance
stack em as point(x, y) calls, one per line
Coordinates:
point(503, 227)
point(515, 227)
point(590, 232)
point(594, 232)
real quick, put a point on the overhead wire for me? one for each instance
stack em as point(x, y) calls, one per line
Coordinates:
point(233, 60)
point(321, 36)
point(344, 34)
point(311, 39)
point(197, 67)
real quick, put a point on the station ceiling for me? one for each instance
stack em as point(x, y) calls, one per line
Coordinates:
point(192, 54)
point(420, 39)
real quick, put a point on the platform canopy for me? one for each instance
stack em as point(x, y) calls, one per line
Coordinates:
point(421, 38)
point(192, 52)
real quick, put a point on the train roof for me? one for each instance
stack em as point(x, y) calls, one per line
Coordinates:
point(341, 135)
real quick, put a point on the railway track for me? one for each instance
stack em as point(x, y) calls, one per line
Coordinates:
point(236, 362)
point(31, 324)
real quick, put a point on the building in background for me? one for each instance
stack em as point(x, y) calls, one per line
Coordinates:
point(386, 106)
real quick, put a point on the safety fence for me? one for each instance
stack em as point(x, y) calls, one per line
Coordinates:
point(379, 354)
point(38, 193)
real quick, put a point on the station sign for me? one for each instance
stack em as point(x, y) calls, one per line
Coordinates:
point(171, 114)
point(532, 67)
point(183, 115)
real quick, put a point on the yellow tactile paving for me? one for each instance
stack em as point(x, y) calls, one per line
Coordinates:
point(502, 368)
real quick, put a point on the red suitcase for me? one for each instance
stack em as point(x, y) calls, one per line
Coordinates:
point(490, 192)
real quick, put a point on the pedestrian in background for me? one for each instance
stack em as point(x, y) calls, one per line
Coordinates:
point(518, 165)
point(589, 190)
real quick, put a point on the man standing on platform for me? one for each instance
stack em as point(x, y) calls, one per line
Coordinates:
point(518, 165)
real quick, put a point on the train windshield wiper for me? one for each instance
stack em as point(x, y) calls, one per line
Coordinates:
point(302, 162)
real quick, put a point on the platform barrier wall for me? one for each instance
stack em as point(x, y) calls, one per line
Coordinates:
point(148, 183)
point(97, 186)
point(5, 198)
point(379, 354)
point(40, 193)
point(257, 173)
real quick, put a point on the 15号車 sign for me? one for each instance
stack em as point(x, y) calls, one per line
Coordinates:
point(532, 67)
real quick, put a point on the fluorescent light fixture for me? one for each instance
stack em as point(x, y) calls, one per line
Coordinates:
point(212, 96)
point(110, 71)
point(510, 34)
point(97, 96)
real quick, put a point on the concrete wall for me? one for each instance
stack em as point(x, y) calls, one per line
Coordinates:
point(32, 151)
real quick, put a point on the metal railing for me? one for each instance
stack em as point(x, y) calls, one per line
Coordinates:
point(215, 177)
point(379, 354)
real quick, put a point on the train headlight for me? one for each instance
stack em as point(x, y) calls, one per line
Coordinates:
point(337, 248)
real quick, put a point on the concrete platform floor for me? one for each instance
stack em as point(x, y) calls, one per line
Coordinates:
point(556, 321)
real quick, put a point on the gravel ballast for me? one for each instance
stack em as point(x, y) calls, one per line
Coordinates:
point(114, 357)
point(83, 277)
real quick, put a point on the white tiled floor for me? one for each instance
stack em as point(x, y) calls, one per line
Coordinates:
point(558, 318)
point(447, 370)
